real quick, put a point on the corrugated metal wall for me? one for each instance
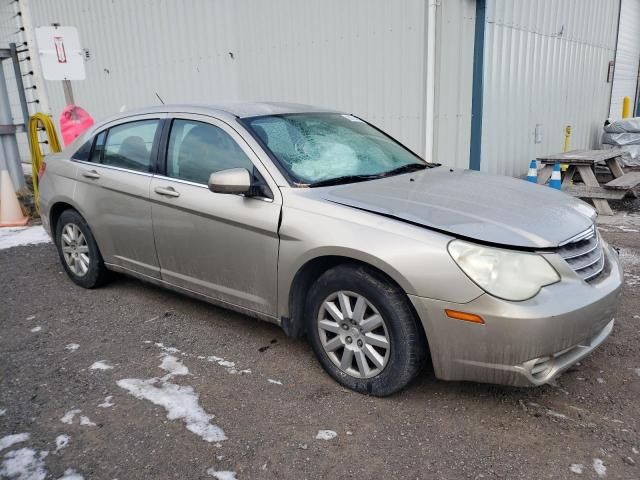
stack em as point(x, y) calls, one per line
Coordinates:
point(545, 63)
point(365, 57)
point(454, 81)
point(625, 78)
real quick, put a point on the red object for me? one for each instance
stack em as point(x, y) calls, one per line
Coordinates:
point(42, 169)
point(74, 121)
point(60, 50)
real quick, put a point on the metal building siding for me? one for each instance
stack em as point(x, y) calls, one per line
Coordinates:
point(545, 63)
point(454, 82)
point(625, 79)
point(363, 56)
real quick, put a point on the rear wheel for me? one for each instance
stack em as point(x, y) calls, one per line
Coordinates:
point(363, 330)
point(78, 251)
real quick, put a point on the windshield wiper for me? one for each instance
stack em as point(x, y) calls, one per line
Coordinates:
point(411, 167)
point(343, 179)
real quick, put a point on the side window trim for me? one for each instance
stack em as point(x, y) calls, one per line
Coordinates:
point(163, 147)
point(95, 143)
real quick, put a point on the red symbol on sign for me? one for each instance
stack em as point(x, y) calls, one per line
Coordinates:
point(60, 51)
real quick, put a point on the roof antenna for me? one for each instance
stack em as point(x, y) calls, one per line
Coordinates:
point(159, 98)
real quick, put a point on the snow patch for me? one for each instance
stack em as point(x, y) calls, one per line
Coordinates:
point(36, 329)
point(167, 349)
point(19, 236)
point(107, 402)
point(24, 464)
point(598, 466)
point(71, 474)
point(100, 365)
point(9, 440)
point(180, 402)
point(31, 317)
point(326, 435)
point(3, 411)
point(275, 382)
point(229, 366)
point(86, 422)
point(222, 474)
point(62, 441)
point(174, 366)
point(72, 347)
point(577, 468)
point(68, 417)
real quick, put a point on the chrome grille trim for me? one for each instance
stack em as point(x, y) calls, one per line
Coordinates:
point(584, 254)
point(588, 233)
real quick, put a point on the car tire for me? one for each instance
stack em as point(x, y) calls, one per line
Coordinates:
point(370, 367)
point(79, 251)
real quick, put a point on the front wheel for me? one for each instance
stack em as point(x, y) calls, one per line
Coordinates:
point(363, 330)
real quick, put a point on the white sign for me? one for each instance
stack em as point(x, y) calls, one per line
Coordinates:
point(60, 52)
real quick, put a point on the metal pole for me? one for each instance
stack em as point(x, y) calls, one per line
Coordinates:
point(68, 92)
point(30, 38)
point(430, 80)
point(23, 99)
point(19, 83)
point(9, 143)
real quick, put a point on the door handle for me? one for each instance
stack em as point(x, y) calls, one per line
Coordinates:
point(91, 174)
point(166, 191)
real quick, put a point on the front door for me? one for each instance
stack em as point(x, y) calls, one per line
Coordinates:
point(222, 246)
point(113, 192)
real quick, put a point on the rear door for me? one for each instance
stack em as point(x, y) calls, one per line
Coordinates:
point(222, 246)
point(113, 192)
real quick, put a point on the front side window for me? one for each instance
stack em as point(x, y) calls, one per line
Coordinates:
point(318, 148)
point(197, 149)
point(129, 145)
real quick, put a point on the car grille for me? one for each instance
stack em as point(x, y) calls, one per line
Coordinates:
point(584, 254)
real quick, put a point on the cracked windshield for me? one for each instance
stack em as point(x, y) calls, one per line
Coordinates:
point(318, 149)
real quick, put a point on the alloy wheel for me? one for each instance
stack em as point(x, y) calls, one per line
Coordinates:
point(75, 249)
point(353, 334)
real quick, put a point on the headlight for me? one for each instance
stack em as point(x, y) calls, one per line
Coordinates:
point(503, 273)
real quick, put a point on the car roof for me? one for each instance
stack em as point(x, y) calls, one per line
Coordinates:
point(239, 110)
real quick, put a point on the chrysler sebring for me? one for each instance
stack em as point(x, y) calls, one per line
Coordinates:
point(320, 222)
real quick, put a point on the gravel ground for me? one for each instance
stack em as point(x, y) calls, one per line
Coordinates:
point(274, 399)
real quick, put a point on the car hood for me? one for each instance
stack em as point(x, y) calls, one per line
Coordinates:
point(473, 205)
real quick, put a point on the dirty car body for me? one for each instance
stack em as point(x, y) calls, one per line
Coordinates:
point(508, 282)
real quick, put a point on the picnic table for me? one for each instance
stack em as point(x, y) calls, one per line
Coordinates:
point(583, 162)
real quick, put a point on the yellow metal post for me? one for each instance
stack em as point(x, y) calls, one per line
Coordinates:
point(626, 107)
point(567, 138)
point(567, 141)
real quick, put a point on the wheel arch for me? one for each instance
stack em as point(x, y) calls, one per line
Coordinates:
point(294, 324)
point(55, 211)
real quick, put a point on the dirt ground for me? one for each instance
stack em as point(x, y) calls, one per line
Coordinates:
point(270, 398)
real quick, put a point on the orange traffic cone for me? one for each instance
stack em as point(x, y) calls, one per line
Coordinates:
point(10, 212)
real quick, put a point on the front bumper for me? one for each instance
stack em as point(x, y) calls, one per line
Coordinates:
point(524, 343)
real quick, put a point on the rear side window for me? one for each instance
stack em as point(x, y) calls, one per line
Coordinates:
point(129, 145)
point(98, 148)
point(84, 152)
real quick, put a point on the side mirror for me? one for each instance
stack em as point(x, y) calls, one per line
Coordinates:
point(235, 181)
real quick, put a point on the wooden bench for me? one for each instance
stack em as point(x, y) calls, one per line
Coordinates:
point(625, 182)
point(583, 162)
